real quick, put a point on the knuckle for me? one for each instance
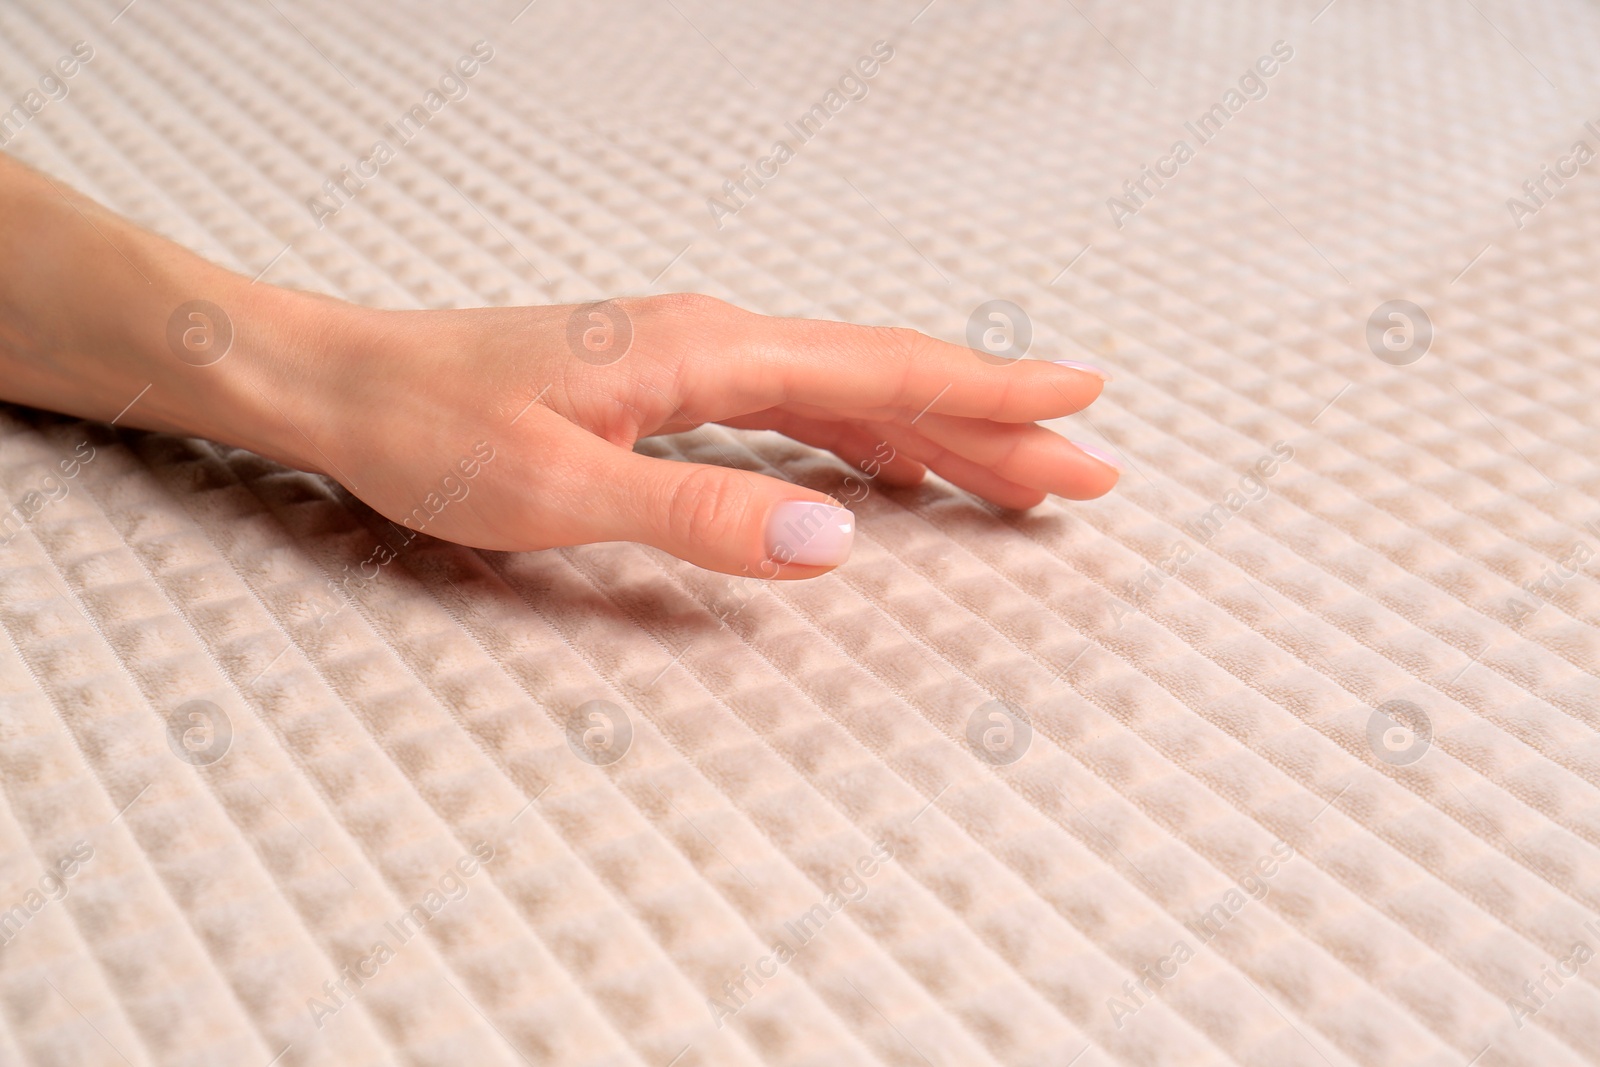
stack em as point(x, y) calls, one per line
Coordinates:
point(902, 341)
point(691, 305)
point(1010, 447)
point(708, 507)
point(899, 350)
point(676, 329)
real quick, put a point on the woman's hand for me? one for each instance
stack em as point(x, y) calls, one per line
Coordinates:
point(513, 428)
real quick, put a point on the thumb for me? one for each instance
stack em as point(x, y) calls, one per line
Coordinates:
point(722, 519)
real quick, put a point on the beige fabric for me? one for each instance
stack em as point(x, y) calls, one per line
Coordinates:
point(1186, 713)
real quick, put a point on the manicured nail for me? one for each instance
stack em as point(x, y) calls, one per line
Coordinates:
point(809, 533)
point(1102, 455)
point(1087, 368)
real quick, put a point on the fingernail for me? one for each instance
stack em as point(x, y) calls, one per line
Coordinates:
point(809, 533)
point(1087, 368)
point(1102, 455)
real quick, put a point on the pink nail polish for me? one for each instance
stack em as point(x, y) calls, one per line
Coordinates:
point(1102, 455)
point(1087, 368)
point(809, 533)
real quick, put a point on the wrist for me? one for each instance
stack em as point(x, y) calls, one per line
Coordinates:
point(250, 365)
point(106, 321)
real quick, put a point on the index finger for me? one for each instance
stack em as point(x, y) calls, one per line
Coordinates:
point(764, 362)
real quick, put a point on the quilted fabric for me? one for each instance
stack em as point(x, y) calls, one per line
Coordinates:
point(1282, 753)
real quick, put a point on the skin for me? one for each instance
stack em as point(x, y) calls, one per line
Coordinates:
point(388, 402)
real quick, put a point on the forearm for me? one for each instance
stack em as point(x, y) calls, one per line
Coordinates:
point(95, 312)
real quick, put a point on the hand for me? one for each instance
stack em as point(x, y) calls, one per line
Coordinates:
point(486, 428)
point(513, 428)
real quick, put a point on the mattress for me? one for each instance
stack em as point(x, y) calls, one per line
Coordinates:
point(1283, 752)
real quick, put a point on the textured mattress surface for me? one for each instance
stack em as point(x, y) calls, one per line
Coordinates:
point(1282, 753)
